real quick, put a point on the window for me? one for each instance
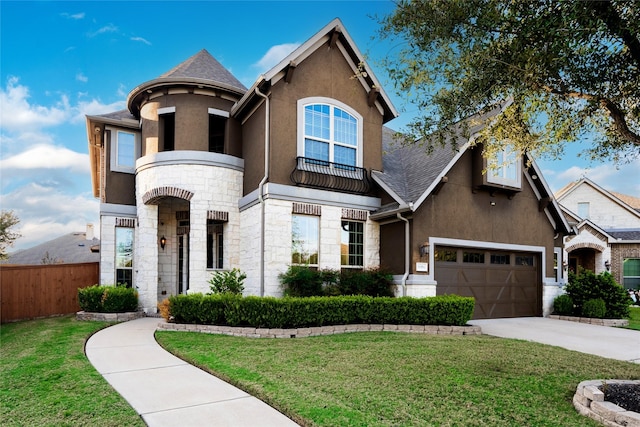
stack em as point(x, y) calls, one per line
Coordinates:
point(168, 131)
point(500, 259)
point(445, 255)
point(124, 150)
point(583, 210)
point(352, 244)
point(557, 263)
point(217, 126)
point(473, 257)
point(329, 131)
point(124, 256)
point(524, 259)
point(631, 273)
point(305, 240)
point(505, 169)
point(215, 244)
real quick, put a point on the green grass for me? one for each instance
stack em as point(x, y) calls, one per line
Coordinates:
point(46, 379)
point(396, 379)
point(634, 318)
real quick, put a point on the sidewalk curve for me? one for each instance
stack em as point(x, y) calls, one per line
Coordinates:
point(605, 341)
point(167, 391)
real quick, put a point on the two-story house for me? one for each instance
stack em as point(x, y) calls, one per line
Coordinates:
point(608, 231)
point(201, 174)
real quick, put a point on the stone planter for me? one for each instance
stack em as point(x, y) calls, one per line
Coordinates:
point(589, 401)
point(110, 317)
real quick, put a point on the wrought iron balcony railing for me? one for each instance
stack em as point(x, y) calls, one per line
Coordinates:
point(334, 176)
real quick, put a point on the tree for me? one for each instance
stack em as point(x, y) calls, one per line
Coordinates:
point(571, 68)
point(7, 220)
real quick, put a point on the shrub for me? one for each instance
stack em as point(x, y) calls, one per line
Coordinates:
point(294, 312)
point(594, 308)
point(301, 281)
point(563, 305)
point(164, 307)
point(108, 299)
point(231, 282)
point(90, 298)
point(585, 286)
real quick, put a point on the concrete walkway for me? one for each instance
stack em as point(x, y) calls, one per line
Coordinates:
point(165, 390)
point(605, 341)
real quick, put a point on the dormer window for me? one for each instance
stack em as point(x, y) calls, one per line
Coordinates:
point(125, 149)
point(329, 131)
point(505, 169)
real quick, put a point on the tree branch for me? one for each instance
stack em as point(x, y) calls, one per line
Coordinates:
point(619, 121)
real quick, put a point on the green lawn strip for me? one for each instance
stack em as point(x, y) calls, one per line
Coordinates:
point(634, 318)
point(48, 381)
point(385, 379)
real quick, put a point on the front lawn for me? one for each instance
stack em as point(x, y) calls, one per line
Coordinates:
point(401, 379)
point(48, 381)
point(634, 318)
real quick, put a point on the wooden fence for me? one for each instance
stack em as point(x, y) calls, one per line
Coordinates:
point(32, 291)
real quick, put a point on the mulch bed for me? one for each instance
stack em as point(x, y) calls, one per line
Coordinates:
point(626, 396)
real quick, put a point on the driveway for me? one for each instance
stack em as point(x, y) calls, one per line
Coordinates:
point(605, 341)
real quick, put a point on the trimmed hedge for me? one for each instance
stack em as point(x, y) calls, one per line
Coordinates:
point(303, 281)
point(107, 299)
point(586, 286)
point(294, 312)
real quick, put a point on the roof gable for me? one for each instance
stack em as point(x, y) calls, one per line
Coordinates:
point(618, 199)
point(337, 36)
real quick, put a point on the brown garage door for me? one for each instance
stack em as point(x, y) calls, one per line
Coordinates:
point(504, 284)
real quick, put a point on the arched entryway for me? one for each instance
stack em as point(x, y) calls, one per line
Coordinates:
point(584, 256)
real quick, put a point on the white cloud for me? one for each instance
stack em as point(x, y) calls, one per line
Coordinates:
point(274, 55)
point(46, 214)
point(140, 39)
point(82, 78)
point(622, 179)
point(76, 16)
point(18, 114)
point(110, 28)
point(95, 107)
point(43, 156)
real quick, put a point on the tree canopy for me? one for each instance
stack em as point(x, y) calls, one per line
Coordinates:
point(7, 220)
point(571, 68)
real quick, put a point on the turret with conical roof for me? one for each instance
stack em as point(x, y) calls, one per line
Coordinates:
point(201, 71)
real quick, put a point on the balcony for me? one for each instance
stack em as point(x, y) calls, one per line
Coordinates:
point(330, 176)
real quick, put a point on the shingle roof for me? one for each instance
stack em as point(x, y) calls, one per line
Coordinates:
point(630, 234)
point(68, 249)
point(204, 66)
point(409, 169)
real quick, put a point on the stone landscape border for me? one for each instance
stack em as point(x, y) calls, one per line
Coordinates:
point(589, 401)
point(110, 317)
point(592, 321)
point(320, 330)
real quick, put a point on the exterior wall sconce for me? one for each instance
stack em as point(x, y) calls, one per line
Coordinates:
point(607, 265)
point(492, 203)
point(163, 242)
point(424, 249)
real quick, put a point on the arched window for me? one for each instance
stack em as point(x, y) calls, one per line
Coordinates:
point(329, 131)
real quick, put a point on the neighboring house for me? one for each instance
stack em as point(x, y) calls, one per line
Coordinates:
point(72, 248)
point(201, 174)
point(608, 225)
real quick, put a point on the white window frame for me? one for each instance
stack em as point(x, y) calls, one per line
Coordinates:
point(584, 210)
point(217, 236)
point(116, 253)
point(332, 103)
point(558, 267)
point(348, 243)
point(497, 169)
point(115, 148)
point(305, 243)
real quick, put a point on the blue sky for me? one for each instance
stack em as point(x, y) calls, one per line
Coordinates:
point(62, 60)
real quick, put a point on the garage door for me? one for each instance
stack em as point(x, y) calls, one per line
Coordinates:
point(504, 284)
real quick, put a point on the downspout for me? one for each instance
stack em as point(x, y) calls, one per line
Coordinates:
point(261, 185)
point(407, 254)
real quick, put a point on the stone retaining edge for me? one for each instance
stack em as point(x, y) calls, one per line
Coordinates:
point(589, 401)
point(591, 320)
point(110, 317)
point(319, 331)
